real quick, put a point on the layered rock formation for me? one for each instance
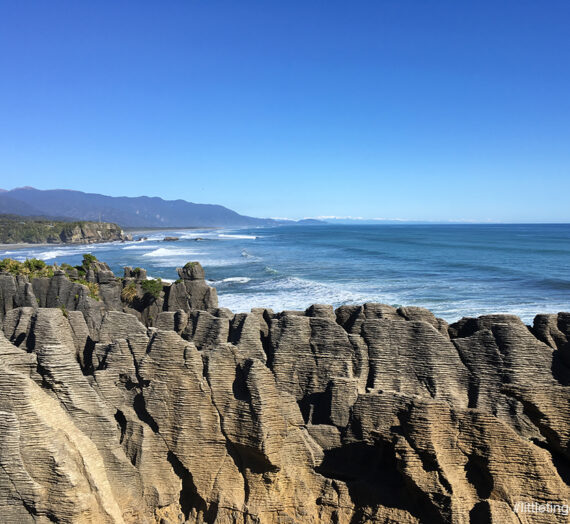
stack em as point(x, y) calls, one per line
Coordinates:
point(92, 232)
point(16, 229)
point(174, 410)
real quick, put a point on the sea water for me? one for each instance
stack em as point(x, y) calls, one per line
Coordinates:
point(454, 270)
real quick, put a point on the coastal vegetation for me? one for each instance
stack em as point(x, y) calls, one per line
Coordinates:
point(93, 287)
point(84, 274)
point(133, 290)
point(31, 268)
point(15, 229)
point(35, 268)
point(152, 287)
point(129, 293)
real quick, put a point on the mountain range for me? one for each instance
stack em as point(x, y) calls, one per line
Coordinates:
point(130, 212)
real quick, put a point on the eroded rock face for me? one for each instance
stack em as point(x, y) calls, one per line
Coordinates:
point(366, 414)
point(191, 291)
point(97, 290)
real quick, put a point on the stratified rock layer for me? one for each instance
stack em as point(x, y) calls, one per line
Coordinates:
point(366, 414)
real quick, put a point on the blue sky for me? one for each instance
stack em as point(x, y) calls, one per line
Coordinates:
point(397, 109)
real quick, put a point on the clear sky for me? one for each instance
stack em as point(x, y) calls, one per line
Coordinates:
point(398, 109)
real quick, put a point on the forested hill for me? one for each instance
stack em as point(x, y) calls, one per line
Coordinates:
point(140, 211)
point(16, 229)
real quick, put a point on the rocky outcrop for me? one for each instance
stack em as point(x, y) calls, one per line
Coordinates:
point(191, 290)
point(363, 414)
point(92, 232)
point(93, 289)
point(18, 229)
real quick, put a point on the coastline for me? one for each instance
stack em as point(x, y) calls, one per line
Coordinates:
point(360, 395)
point(189, 228)
point(27, 245)
point(8, 247)
point(288, 268)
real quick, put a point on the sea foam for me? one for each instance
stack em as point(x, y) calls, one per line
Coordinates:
point(237, 280)
point(238, 237)
point(169, 252)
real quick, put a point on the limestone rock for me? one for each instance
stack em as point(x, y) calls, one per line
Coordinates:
point(364, 414)
point(192, 292)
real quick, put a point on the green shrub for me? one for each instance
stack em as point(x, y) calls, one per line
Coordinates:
point(11, 266)
point(152, 287)
point(93, 290)
point(34, 268)
point(30, 268)
point(88, 259)
point(33, 264)
point(92, 286)
point(129, 293)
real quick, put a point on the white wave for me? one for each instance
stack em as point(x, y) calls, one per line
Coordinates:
point(249, 257)
point(158, 237)
point(297, 294)
point(20, 257)
point(164, 280)
point(219, 262)
point(61, 251)
point(172, 258)
point(525, 313)
point(51, 254)
point(238, 280)
point(138, 246)
point(197, 235)
point(162, 252)
point(244, 237)
point(291, 293)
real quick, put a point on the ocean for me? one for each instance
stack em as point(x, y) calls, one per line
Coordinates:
point(453, 270)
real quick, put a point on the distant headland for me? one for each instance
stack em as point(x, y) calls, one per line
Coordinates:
point(128, 212)
point(16, 229)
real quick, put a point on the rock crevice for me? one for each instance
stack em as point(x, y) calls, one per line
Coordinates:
point(189, 413)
